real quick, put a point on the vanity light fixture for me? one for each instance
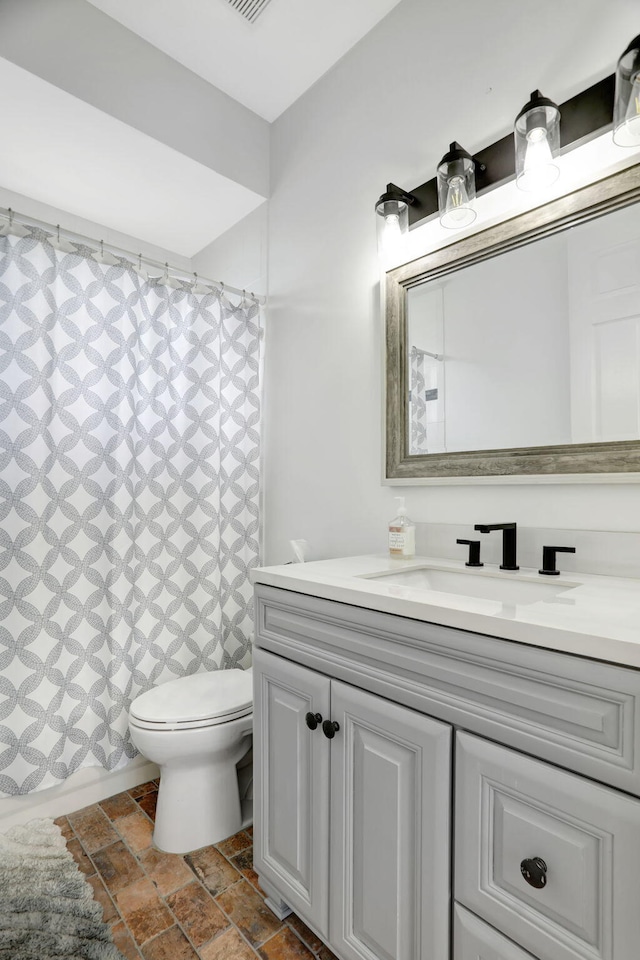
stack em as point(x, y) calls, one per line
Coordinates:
point(537, 143)
point(393, 219)
point(456, 188)
point(531, 152)
point(626, 108)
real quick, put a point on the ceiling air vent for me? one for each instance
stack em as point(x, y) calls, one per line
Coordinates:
point(249, 9)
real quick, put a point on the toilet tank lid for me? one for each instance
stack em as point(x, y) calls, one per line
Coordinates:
point(197, 697)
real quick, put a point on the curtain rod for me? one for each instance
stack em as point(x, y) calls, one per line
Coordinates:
point(416, 351)
point(8, 213)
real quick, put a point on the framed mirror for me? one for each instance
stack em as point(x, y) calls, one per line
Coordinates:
point(515, 353)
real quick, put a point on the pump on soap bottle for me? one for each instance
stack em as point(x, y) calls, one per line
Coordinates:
point(402, 534)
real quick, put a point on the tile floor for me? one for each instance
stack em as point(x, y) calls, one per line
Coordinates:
point(206, 905)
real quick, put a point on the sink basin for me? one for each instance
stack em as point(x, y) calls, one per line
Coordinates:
point(503, 588)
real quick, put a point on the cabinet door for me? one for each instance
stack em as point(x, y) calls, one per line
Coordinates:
point(291, 772)
point(390, 795)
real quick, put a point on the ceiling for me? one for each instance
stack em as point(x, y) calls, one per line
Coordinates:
point(93, 83)
point(266, 65)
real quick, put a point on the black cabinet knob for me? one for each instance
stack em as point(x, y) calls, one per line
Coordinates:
point(312, 720)
point(330, 728)
point(534, 870)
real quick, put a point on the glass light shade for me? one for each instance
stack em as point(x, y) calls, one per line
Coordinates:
point(626, 107)
point(456, 188)
point(537, 140)
point(392, 221)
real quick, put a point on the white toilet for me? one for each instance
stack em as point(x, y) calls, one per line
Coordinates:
point(197, 729)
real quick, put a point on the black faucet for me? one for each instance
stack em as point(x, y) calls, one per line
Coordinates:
point(549, 559)
point(508, 542)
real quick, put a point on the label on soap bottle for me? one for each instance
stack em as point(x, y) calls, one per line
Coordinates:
point(402, 541)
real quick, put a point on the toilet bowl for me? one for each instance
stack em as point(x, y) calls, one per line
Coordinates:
point(196, 729)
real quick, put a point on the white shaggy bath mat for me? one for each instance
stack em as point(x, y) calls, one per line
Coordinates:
point(47, 908)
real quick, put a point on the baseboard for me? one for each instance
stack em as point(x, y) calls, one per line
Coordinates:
point(80, 790)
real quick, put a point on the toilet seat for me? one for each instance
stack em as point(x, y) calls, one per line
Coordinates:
point(199, 700)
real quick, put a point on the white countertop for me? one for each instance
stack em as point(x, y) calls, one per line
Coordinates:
point(596, 617)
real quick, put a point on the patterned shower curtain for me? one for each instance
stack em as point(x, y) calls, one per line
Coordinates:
point(129, 457)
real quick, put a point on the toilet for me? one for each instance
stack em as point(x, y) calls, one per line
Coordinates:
point(197, 729)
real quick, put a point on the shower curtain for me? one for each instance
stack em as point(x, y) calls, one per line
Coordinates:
point(129, 482)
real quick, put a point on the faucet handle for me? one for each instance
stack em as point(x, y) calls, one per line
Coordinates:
point(549, 559)
point(474, 553)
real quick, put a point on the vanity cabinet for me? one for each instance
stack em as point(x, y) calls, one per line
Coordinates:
point(352, 827)
point(354, 832)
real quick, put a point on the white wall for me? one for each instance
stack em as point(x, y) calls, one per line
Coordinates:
point(506, 350)
point(239, 257)
point(426, 75)
point(44, 212)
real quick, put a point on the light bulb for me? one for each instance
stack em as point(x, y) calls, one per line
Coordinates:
point(539, 169)
point(392, 236)
point(458, 213)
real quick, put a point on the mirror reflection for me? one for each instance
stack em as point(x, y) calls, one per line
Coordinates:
point(538, 346)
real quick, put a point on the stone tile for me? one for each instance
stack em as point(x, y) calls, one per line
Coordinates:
point(228, 946)
point(248, 911)
point(92, 828)
point(306, 935)
point(75, 848)
point(148, 803)
point(65, 828)
point(148, 787)
point(285, 946)
point(249, 830)
point(212, 869)
point(236, 843)
point(109, 912)
point(197, 914)
point(119, 806)
point(124, 942)
point(168, 871)
point(244, 864)
point(170, 945)
point(136, 829)
point(144, 912)
point(117, 867)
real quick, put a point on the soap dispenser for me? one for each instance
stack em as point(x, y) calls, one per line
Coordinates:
point(402, 534)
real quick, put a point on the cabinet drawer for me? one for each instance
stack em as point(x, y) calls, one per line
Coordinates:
point(511, 808)
point(576, 713)
point(473, 939)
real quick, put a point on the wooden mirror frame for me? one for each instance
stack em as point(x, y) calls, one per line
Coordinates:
point(579, 461)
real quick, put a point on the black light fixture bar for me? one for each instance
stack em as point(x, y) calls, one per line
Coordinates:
point(582, 116)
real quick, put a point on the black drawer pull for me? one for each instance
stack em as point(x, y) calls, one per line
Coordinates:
point(534, 871)
point(312, 720)
point(330, 728)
